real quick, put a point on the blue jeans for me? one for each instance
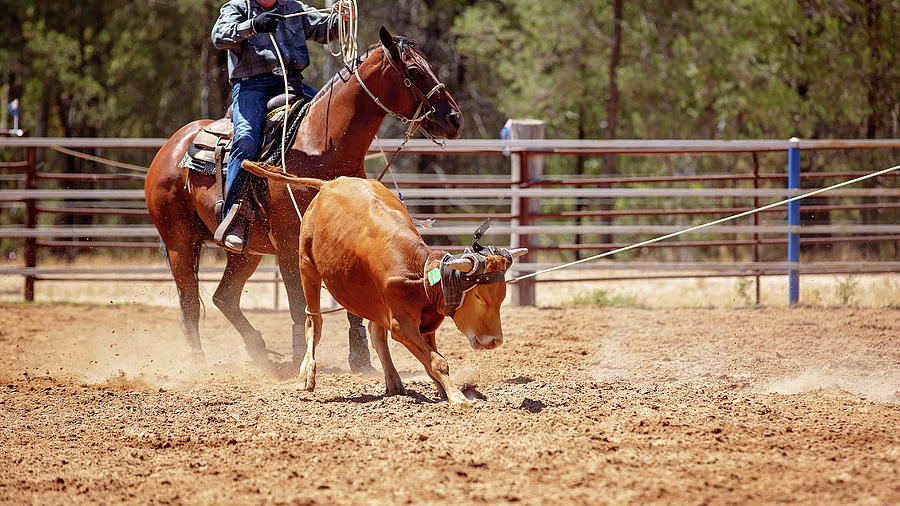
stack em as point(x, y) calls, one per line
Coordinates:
point(249, 98)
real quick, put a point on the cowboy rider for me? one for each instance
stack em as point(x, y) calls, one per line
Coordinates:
point(256, 76)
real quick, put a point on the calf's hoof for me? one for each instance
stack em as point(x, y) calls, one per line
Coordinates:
point(395, 390)
point(308, 376)
point(457, 397)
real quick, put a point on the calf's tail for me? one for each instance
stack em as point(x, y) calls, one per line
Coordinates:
point(274, 173)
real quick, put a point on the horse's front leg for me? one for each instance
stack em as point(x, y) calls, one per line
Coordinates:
point(228, 299)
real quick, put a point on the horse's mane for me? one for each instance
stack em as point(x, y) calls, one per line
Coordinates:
point(404, 45)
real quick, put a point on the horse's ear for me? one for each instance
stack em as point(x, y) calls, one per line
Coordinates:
point(387, 40)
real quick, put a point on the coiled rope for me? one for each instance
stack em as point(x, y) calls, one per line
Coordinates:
point(348, 49)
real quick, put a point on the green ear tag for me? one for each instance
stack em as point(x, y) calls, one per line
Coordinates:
point(434, 276)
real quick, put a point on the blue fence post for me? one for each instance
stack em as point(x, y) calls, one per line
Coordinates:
point(794, 220)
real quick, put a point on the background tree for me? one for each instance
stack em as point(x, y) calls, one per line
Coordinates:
point(644, 69)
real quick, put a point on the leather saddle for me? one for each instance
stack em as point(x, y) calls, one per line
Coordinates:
point(210, 147)
point(208, 152)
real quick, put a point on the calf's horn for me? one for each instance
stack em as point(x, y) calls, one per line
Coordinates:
point(463, 265)
point(517, 252)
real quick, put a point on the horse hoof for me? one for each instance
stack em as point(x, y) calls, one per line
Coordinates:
point(198, 358)
point(365, 370)
point(266, 365)
point(457, 398)
point(360, 364)
point(390, 392)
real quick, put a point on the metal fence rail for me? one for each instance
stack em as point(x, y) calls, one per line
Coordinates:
point(497, 229)
point(541, 193)
point(522, 193)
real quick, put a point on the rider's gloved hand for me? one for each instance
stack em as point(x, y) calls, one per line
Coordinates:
point(266, 22)
point(342, 9)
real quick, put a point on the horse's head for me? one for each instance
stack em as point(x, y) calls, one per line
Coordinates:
point(425, 92)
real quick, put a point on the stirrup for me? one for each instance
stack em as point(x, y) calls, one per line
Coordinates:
point(235, 224)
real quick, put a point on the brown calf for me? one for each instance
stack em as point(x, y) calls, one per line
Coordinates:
point(358, 238)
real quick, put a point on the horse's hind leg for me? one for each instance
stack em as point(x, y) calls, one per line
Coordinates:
point(289, 265)
point(360, 361)
point(228, 299)
point(183, 261)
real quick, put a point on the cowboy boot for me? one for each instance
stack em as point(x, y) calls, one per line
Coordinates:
point(232, 231)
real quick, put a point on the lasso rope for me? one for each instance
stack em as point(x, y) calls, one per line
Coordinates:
point(104, 161)
point(348, 51)
point(716, 222)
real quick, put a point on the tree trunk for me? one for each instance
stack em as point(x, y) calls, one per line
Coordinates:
point(870, 217)
point(612, 106)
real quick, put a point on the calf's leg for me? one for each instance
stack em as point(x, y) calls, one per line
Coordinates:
point(435, 364)
point(391, 378)
point(429, 339)
point(312, 283)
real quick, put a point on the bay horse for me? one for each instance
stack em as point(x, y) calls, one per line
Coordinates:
point(332, 141)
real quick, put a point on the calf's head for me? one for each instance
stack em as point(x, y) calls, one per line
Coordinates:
point(474, 287)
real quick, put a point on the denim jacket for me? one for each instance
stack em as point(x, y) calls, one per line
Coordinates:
point(251, 54)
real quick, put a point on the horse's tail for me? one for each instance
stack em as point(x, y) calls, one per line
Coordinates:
point(274, 173)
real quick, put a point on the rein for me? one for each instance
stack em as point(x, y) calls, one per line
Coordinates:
point(349, 55)
point(415, 122)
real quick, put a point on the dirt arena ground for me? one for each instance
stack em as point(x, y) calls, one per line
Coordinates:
point(589, 405)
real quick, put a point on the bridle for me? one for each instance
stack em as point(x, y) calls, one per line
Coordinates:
point(422, 97)
point(415, 123)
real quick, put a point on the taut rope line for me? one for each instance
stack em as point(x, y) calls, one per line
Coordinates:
point(716, 222)
point(104, 161)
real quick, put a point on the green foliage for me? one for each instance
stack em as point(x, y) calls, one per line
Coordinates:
point(117, 68)
point(600, 298)
point(692, 69)
point(845, 290)
point(689, 68)
point(539, 60)
point(743, 287)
